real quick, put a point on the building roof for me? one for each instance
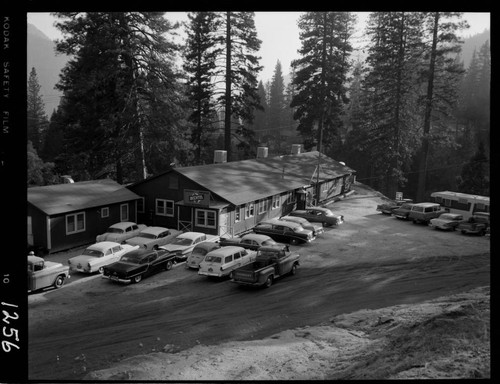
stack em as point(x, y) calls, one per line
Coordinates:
point(248, 180)
point(62, 198)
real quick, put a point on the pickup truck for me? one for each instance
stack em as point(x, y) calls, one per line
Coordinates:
point(477, 224)
point(270, 263)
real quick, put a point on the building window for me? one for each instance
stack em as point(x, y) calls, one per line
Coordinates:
point(262, 206)
point(173, 182)
point(249, 210)
point(140, 205)
point(237, 214)
point(124, 212)
point(75, 223)
point(205, 218)
point(164, 207)
point(276, 202)
point(104, 212)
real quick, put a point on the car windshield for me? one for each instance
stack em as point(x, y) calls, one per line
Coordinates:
point(93, 253)
point(270, 253)
point(147, 236)
point(182, 241)
point(199, 251)
point(213, 259)
point(132, 258)
point(114, 230)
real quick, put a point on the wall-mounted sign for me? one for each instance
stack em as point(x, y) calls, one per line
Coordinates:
point(198, 198)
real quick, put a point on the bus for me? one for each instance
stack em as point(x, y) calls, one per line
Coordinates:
point(462, 203)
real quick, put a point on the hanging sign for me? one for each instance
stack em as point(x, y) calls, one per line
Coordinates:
point(198, 198)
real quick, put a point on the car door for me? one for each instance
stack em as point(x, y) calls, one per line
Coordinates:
point(154, 263)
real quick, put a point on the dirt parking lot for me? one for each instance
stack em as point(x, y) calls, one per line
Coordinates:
point(373, 270)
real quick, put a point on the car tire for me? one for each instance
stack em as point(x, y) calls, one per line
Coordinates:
point(136, 279)
point(101, 270)
point(414, 221)
point(168, 265)
point(269, 281)
point(294, 241)
point(294, 270)
point(155, 247)
point(59, 281)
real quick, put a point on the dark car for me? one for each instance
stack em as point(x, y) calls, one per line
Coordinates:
point(388, 207)
point(284, 231)
point(319, 215)
point(135, 265)
point(403, 212)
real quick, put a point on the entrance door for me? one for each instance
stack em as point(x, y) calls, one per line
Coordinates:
point(224, 229)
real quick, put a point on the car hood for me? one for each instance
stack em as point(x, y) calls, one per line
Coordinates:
point(139, 241)
point(440, 221)
point(82, 259)
point(175, 248)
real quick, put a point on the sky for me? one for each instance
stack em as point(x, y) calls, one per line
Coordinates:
point(277, 30)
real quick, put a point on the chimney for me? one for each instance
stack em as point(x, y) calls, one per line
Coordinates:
point(220, 156)
point(296, 149)
point(261, 152)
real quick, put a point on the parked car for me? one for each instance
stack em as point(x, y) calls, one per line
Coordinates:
point(270, 264)
point(120, 232)
point(477, 224)
point(43, 274)
point(284, 231)
point(221, 262)
point(446, 221)
point(251, 241)
point(199, 252)
point(315, 227)
point(424, 212)
point(319, 215)
point(135, 265)
point(184, 243)
point(97, 255)
point(403, 211)
point(154, 237)
point(389, 207)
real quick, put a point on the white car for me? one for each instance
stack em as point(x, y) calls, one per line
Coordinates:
point(98, 255)
point(446, 221)
point(183, 244)
point(121, 231)
point(221, 262)
point(154, 237)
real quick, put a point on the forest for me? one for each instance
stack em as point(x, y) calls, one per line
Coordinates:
point(409, 118)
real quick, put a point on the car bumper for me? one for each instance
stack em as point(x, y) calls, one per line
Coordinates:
point(212, 274)
point(116, 278)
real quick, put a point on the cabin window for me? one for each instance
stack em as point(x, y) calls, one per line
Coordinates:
point(205, 218)
point(237, 214)
point(276, 202)
point(140, 205)
point(75, 223)
point(164, 207)
point(262, 206)
point(104, 212)
point(124, 212)
point(249, 210)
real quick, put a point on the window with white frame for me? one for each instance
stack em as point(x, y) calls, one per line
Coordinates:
point(237, 214)
point(124, 212)
point(262, 206)
point(249, 210)
point(276, 202)
point(164, 207)
point(75, 223)
point(205, 218)
point(141, 203)
point(104, 212)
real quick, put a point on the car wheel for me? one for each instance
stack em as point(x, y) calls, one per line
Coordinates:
point(168, 265)
point(231, 275)
point(482, 232)
point(101, 270)
point(155, 247)
point(137, 278)
point(294, 269)
point(414, 221)
point(59, 281)
point(269, 282)
point(294, 241)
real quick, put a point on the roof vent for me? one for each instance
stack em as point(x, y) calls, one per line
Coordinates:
point(220, 156)
point(261, 152)
point(296, 149)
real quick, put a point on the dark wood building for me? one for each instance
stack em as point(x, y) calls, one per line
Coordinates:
point(67, 215)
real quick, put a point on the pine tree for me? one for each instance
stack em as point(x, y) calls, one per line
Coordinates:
point(277, 107)
point(37, 120)
point(474, 178)
point(260, 125)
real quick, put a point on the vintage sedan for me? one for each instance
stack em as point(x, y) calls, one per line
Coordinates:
point(199, 252)
point(284, 231)
point(319, 215)
point(389, 207)
point(251, 241)
point(154, 237)
point(446, 221)
point(183, 244)
point(315, 227)
point(402, 212)
point(43, 274)
point(137, 264)
point(120, 232)
point(98, 255)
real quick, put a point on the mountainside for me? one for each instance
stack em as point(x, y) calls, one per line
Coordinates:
point(42, 56)
point(472, 43)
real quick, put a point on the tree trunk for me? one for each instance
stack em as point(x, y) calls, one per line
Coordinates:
point(227, 119)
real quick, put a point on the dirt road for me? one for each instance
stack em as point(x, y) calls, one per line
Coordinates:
point(371, 261)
